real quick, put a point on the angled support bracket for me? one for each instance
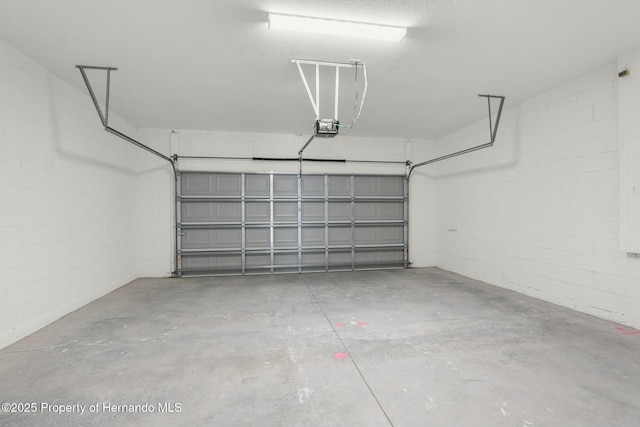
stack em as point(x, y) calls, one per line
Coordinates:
point(493, 131)
point(104, 116)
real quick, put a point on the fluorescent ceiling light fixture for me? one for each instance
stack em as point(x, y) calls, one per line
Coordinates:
point(337, 28)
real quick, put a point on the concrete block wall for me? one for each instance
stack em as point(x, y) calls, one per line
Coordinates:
point(538, 212)
point(66, 199)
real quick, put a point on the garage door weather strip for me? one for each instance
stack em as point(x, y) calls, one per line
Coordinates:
point(104, 118)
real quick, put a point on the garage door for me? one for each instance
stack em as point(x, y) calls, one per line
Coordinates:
point(275, 223)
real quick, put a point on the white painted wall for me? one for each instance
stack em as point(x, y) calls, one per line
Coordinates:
point(155, 225)
point(153, 220)
point(629, 137)
point(538, 212)
point(422, 212)
point(65, 199)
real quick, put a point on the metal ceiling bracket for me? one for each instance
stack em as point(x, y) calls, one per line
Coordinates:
point(315, 102)
point(493, 131)
point(104, 116)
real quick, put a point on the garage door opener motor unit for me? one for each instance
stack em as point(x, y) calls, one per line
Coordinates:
point(330, 127)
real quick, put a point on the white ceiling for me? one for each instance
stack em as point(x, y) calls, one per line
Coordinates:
point(213, 64)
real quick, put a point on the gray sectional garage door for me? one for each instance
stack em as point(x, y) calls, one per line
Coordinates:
point(274, 223)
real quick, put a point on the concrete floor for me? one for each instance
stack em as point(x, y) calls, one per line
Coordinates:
point(420, 347)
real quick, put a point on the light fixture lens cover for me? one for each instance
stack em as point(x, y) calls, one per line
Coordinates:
point(332, 27)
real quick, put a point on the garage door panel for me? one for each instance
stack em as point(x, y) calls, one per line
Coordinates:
point(257, 211)
point(285, 237)
point(285, 260)
point(257, 238)
point(339, 236)
point(283, 223)
point(313, 186)
point(210, 185)
point(383, 257)
point(257, 185)
point(211, 212)
point(339, 260)
point(391, 186)
point(339, 186)
point(313, 259)
point(212, 239)
point(313, 236)
point(285, 186)
point(258, 260)
point(387, 186)
point(285, 211)
point(339, 211)
point(379, 235)
point(312, 211)
point(372, 211)
point(212, 263)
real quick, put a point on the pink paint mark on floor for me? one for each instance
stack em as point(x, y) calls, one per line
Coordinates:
point(627, 332)
point(339, 325)
point(340, 355)
point(363, 324)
